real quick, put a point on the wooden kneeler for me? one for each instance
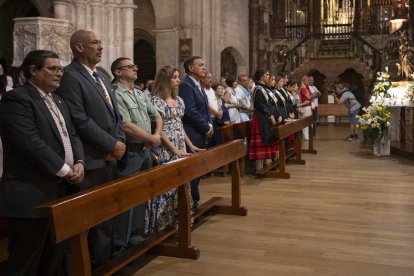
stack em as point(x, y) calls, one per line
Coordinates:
point(72, 216)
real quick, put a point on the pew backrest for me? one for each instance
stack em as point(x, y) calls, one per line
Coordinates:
point(332, 110)
point(77, 213)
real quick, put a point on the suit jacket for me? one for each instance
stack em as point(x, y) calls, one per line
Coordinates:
point(33, 151)
point(197, 117)
point(97, 124)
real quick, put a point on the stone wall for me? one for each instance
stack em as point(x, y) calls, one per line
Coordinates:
point(209, 26)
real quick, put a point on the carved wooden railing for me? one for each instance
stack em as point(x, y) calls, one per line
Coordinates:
point(295, 56)
point(311, 46)
point(296, 31)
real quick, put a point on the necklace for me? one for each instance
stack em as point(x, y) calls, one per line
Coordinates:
point(50, 102)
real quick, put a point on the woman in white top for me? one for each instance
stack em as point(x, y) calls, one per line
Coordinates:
point(231, 101)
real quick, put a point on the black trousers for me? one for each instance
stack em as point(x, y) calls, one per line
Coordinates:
point(195, 192)
point(100, 236)
point(31, 249)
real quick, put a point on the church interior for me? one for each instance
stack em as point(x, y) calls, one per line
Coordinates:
point(325, 206)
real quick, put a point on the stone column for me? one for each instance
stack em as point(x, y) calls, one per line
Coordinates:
point(254, 34)
point(62, 9)
point(31, 33)
point(80, 15)
point(279, 19)
point(309, 17)
point(316, 16)
point(110, 12)
point(128, 28)
point(364, 11)
point(167, 44)
point(216, 33)
point(357, 16)
point(411, 19)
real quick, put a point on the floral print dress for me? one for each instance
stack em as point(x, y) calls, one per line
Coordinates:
point(161, 212)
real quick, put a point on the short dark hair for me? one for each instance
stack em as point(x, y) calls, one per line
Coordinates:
point(190, 61)
point(230, 82)
point(259, 73)
point(36, 58)
point(291, 82)
point(282, 74)
point(215, 85)
point(116, 64)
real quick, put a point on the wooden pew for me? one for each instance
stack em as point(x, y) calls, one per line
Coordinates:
point(337, 110)
point(72, 216)
point(242, 131)
point(236, 131)
point(3, 241)
point(284, 131)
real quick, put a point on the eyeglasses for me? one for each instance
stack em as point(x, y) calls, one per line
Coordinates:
point(55, 69)
point(129, 66)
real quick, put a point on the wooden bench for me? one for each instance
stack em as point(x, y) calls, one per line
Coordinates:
point(233, 132)
point(337, 110)
point(284, 131)
point(72, 216)
point(3, 241)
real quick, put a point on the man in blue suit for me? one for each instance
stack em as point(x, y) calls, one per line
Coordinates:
point(197, 120)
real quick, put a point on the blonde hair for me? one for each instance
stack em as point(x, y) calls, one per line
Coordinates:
point(161, 86)
point(302, 85)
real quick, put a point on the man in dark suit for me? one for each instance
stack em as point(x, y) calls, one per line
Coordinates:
point(197, 120)
point(42, 157)
point(94, 111)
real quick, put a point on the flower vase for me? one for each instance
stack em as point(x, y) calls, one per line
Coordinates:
point(382, 145)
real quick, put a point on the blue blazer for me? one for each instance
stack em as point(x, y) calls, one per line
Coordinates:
point(197, 117)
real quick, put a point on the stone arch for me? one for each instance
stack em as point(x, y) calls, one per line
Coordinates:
point(144, 57)
point(232, 63)
point(144, 40)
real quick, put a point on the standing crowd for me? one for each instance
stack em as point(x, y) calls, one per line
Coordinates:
point(69, 129)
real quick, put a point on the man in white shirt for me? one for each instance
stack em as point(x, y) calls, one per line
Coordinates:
point(206, 83)
point(243, 95)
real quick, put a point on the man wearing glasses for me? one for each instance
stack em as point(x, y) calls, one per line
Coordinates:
point(43, 158)
point(95, 114)
point(136, 110)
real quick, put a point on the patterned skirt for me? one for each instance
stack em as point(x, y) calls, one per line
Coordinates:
point(257, 149)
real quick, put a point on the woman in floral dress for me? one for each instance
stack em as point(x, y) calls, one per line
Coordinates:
point(161, 211)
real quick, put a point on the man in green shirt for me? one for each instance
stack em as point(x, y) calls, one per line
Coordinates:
point(136, 109)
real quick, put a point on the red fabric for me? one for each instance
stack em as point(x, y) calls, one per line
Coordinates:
point(202, 84)
point(258, 150)
point(303, 92)
point(292, 141)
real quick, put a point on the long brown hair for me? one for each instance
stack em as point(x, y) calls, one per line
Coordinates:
point(161, 86)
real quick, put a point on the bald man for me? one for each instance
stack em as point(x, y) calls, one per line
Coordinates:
point(95, 114)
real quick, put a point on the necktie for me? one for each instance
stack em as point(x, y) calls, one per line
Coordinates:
point(60, 123)
point(105, 92)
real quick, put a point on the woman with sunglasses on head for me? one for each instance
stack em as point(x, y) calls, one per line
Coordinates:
point(161, 212)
